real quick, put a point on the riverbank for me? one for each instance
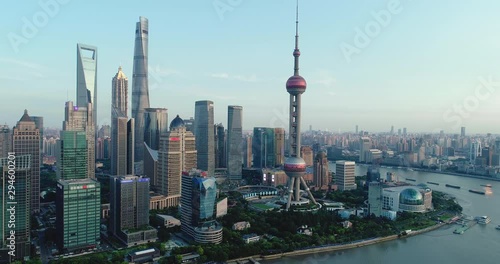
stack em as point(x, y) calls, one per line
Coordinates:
point(458, 174)
point(332, 248)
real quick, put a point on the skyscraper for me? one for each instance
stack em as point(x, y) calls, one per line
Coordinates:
point(263, 147)
point(78, 214)
point(155, 124)
point(86, 80)
point(220, 146)
point(72, 155)
point(17, 205)
point(462, 131)
point(177, 153)
point(26, 141)
point(79, 118)
point(306, 153)
point(295, 166)
point(151, 167)
point(5, 140)
point(344, 175)
point(364, 147)
point(39, 124)
point(234, 141)
point(122, 129)
point(247, 151)
point(204, 133)
point(129, 209)
point(198, 208)
point(375, 198)
point(140, 90)
point(321, 174)
point(279, 146)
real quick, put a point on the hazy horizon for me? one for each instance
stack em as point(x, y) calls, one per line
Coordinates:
point(422, 65)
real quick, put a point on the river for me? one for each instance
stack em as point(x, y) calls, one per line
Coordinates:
point(478, 245)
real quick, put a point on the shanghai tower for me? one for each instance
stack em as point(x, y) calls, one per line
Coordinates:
point(140, 90)
point(295, 166)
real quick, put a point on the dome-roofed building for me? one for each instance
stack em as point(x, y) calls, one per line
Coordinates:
point(177, 122)
point(407, 198)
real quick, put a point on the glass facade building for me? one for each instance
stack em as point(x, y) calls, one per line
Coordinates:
point(198, 208)
point(72, 160)
point(204, 133)
point(263, 147)
point(234, 141)
point(78, 214)
point(155, 124)
point(86, 79)
point(18, 198)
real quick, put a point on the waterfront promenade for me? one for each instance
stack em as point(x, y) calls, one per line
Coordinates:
point(332, 248)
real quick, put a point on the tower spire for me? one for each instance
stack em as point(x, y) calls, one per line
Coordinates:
point(296, 52)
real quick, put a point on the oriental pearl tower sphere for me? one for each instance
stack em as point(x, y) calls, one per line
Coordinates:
point(295, 166)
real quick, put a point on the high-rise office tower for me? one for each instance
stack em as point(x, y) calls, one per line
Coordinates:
point(405, 133)
point(151, 167)
point(345, 175)
point(357, 130)
point(177, 153)
point(105, 130)
point(198, 208)
point(79, 118)
point(373, 175)
point(204, 133)
point(375, 198)
point(392, 130)
point(39, 124)
point(295, 167)
point(155, 124)
point(321, 174)
point(15, 231)
point(78, 214)
point(26, 141)
point(86, 75)
point(475, 150)
point(234, 141)
point(122, 129)
point(189, 123)
point(86, 80)
point(72, 158)
point(129, 209)
point(462, 131)
point(306, 153)
point(365, 145)
point(5, 140)
point(279, 146)
point(263, 147)
point(247, 151)
point(220, 146)
point(140, 90)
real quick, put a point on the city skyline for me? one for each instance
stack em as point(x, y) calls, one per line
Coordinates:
point(400, 80)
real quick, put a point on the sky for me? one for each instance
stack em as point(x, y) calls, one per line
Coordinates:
point(425, 65)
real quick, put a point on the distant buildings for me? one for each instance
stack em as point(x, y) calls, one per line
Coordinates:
point(5, 140)
point(239, 226)
point(26, 141)
point(247, 151)
point(307, 155)
point(78, 214)
point(234, 142)
point(198, 208)
point(345, 176)
point(19, 233)
point(364, 147)
point(204, 133)
point(129, 210)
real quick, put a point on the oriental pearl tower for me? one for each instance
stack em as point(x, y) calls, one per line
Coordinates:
point(295, 166)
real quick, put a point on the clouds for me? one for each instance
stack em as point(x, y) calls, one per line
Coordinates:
point(227, 76)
